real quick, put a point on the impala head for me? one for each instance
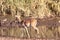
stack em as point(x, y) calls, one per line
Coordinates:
point(18, 18)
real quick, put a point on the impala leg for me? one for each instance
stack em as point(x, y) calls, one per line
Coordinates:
point(36, 29)
point(27, 31)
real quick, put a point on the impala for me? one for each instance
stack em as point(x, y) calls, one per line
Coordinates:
point(29, 22)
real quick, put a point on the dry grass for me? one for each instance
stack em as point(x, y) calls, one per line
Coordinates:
point(21, 32)
point(34, 8)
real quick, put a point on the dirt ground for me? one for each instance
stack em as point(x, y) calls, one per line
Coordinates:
point(10, 38)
